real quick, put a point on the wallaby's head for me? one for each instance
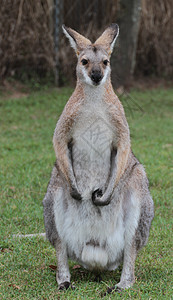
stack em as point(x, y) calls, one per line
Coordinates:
point(93, 65)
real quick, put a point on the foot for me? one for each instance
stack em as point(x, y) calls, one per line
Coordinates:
point(98, 278)
point(65, 285)
point(125, 284)
point(113, 289)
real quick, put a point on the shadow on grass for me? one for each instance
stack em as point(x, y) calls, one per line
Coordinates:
point(82, 274)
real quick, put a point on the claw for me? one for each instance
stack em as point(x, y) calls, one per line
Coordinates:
point(98, 278)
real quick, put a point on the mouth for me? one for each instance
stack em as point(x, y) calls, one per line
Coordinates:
point(96, 83)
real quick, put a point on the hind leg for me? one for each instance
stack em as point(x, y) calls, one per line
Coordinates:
point(138, 212)
point(139, 240)
point(128, 275)
point(62, 274)
point(138, 217)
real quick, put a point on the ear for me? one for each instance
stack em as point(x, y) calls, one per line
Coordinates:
point(108, 38)
point(77, 41)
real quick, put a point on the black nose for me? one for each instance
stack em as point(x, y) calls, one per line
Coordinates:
point(96, 76)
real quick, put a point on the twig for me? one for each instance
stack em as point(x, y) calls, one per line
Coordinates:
point(19, 16)
point(30, 235)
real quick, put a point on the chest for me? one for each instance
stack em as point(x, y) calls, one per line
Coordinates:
point(92, 145)
point(93, 131)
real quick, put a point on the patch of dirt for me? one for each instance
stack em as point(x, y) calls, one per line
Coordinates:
point(13, 90)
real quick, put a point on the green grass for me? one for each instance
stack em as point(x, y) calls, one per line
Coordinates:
point(26, 160)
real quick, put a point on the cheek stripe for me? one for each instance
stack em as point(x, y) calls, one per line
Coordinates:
point(87, 78)
point(105, 75)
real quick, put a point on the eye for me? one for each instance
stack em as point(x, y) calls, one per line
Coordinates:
point(105, 62)
point(84, 61)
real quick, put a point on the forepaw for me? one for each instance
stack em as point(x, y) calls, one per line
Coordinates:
point(99, 199)
point(96, 195)
point(75, 194)
point(65, 285)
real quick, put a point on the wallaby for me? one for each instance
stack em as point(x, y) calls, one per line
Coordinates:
point(98, 208)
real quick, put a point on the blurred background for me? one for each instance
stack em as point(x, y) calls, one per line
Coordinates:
point(33, 47)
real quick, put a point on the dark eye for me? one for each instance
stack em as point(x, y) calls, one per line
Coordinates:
point(105, 62)
point(84, 62)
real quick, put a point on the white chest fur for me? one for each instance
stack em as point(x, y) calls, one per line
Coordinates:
point(92, 142)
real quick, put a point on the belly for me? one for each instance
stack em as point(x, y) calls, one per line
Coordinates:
point(93, 238)
point(91, 155)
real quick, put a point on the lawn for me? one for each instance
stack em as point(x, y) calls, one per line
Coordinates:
point(26, 160)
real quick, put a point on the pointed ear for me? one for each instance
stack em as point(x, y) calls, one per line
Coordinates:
point(108, 38)
point(77, 41)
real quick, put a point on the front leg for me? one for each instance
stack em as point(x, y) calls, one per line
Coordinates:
point(61, 140)
point(119, 160)
point(64, 163)
point(98, 197)
point(121, 142)
point(62, 274)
